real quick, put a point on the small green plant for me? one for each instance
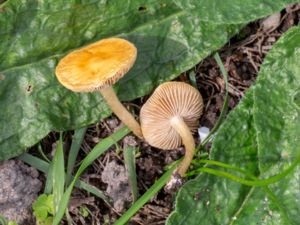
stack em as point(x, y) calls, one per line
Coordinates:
point(43, 209)
point(84, 211)
point(12, 223)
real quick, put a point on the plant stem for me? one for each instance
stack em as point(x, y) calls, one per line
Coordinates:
point(129, 160)
point(120, 111)
point(188, 141)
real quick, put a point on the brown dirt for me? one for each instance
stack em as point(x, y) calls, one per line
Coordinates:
point(242, 57)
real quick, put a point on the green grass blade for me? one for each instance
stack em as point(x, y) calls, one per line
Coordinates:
point(40, 150)
point(95, 191)
point(129, 157)
point(258, 182)
point(220, 164)
point(146, 197)
point(43, 166)
point(3, 221)
point(75, 147)
point(58, 177)
point(94, 154)
point(35, 162)
point(225, 104)
point(193, 80)
point(49, 183)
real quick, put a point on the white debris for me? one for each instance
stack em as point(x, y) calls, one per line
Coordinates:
point(203, 133)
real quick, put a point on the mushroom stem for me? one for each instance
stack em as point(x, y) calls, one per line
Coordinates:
point(188, 141)
point(120, 111)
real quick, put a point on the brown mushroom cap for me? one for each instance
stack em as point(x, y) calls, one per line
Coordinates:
point(97, 65)
point(170, 100)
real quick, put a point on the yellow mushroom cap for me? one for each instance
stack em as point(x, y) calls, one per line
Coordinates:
point(170, 100)
point(97, 65)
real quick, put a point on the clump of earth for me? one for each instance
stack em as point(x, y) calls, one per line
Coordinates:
point(19, 188)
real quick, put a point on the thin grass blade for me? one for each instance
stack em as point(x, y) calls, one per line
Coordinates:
point(129, 157)
point(3, 221)
point(58, 177)
point(193, 80)
point(35, 162)
point(225, 104)
point(95, 191)
point(256, 182)
point(40, 150)
point(49, 183)
point(75, 146)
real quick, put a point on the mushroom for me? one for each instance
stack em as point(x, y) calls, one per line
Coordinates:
point(169, 117)
point(97, 67)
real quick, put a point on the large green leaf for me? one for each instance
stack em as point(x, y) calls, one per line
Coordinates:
point(36, 34)
point(234, 11)
point(260, 136)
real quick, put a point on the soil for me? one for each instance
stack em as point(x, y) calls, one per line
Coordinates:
point(242, 57)
point(18, 190)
